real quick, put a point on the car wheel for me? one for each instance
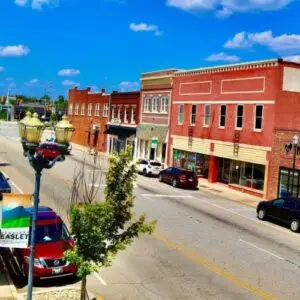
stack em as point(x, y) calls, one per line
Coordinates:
point(295, 225)
point(261, 214)
point(174, 182)
point(160, 179)
point(145, 172)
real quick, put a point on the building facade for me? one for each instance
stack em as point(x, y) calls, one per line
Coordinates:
point(123, 121)
point(153, 130)
point(88, 112)
point(227, 120)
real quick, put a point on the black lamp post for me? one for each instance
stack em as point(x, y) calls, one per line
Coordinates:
point(31, 129)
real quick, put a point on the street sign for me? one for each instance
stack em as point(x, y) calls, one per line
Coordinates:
point(154, 142)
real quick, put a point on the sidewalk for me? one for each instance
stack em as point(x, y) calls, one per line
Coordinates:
point(7, 289)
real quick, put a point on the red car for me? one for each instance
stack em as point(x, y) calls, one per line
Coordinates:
point(52, 240)
point(48, 150)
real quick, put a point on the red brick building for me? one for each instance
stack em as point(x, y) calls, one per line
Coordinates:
point(123, 121)
point(88, 113)
point(153, 131)
point(230, 124)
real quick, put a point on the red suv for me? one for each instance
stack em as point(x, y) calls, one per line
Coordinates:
point(48, 150)
point(52, 239)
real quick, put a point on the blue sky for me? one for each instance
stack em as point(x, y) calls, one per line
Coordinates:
point(54, 44)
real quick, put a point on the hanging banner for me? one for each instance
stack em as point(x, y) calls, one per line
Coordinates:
point(154, 142)
point(15, 220)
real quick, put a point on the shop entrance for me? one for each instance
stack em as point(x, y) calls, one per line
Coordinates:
point(152, 153)
point(224, 170)
point(289, 185)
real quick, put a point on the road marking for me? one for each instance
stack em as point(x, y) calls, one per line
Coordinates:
point(100, 278)
point(13, 183)
point(241, 209)
point(261, 249)
point(166, 196)
point(214, 268)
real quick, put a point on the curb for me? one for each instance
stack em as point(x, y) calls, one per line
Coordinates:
point(11, 286)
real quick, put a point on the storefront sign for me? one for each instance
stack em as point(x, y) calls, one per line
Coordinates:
point(15, 220)
point(154, 143)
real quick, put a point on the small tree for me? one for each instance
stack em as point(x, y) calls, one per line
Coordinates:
point(102, 229)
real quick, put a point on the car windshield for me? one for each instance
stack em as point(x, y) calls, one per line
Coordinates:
point(155, 164)
point(51, 233)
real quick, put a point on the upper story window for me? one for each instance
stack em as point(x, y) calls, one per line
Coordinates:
point(133, 115)
point(147, 104)
point(76, 108)
point(105, 110)
point(207, 113)
point(70, 109)
point(90, 109)
point(222, 119)
point(82, 109)
point(126, 114)
point(193, 114)
point(180, 114)
point(239, 116)
point(119, 113)
point(259, 109)
point(97, 110)
point(155, 104)
point(164, 105)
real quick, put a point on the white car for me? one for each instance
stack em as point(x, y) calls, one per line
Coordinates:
point(149, 167)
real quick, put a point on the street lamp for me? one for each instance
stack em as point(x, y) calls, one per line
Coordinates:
point(31, 130)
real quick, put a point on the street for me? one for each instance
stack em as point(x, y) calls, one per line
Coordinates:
point(204, 247)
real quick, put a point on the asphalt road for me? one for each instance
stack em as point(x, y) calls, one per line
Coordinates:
point(204, 247)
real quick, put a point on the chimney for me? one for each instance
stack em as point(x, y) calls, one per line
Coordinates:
point(114, 92)
point(88, 89)
point(102, 91)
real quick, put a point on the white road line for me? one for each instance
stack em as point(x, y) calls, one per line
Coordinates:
point(166, 196)
point(242, 209)
point(13, 183)
point(261, 249)
point(100, 278)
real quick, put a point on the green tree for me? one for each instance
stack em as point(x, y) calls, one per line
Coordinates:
point(102, 229)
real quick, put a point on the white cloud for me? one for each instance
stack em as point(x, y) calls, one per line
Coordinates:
point(227, 7)
point(12, 85)
point(70, 83)
point(293, 58)
point(126, 86)
point(17, 50)
point(9, 78)
point(21, 2)
point(32, 82)
point(37, 4)
point(68, 72)
point(145, 28)
point(223, 57)
point(282, 44)
point(1, 69)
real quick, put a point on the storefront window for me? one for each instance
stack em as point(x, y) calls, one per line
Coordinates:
point(289, 183)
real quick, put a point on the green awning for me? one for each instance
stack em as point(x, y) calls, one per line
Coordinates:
point(148, 131)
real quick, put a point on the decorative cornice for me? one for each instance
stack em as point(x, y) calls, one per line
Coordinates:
point(232, 67)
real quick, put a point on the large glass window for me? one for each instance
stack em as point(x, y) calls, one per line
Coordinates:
point(180, 114)
point(239, 116)
point(258, 117)
point(289, 183)
point(222, 120)
point(206, 118)
point(193, 114)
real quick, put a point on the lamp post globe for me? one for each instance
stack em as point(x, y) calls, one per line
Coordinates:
point(34, 129)
point(63, 132)
point(23, 123)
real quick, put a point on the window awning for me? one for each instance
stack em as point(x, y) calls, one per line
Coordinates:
point(148, 131)
point(121, 131)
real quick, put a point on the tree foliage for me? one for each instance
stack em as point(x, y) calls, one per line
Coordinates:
point(101, 229)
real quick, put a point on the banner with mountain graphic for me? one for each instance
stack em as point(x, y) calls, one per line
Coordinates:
point(15, 219)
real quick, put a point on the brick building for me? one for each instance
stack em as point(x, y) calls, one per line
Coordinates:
point(153, 131)
point(88, 112)
point(123, 121)
point(230, 124)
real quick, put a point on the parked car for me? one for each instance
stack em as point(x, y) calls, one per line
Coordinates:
point(52, 140)
point(179, 177)
point(4, 185)
point(52, 239)
point(284, 210)
point(48, 150)
point(149, 167)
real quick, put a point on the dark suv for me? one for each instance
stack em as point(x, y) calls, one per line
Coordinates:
point(179, 177)
point(284, 210)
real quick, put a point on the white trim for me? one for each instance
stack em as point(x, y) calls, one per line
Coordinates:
point(226, 102)
point(160, 91)
point(245, 79)
point(157, 117)
point(157, 77)
point(194, 82)
point(223, 143)
point(153, 113)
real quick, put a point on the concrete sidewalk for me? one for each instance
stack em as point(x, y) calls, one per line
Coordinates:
point(7, 288)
